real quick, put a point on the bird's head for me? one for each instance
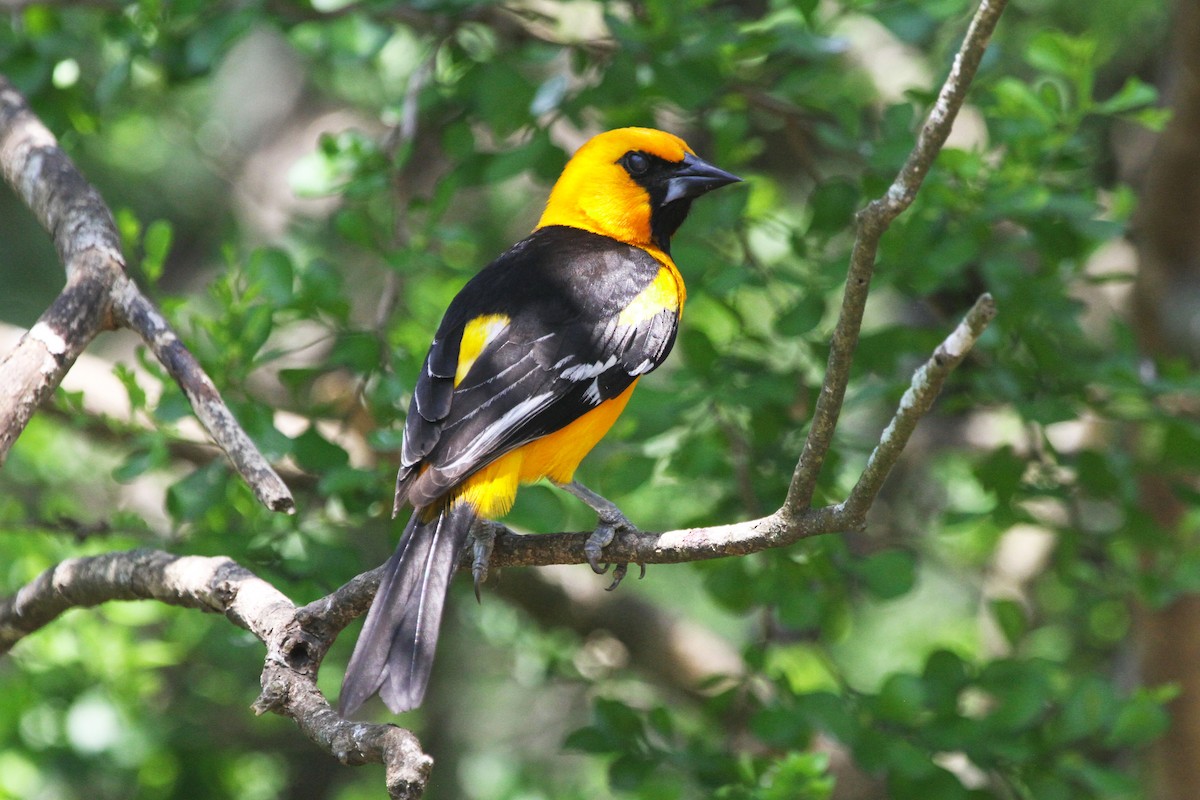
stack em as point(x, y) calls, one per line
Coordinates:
point(635, 185)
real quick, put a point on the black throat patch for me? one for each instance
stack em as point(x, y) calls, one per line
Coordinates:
point(653, 173)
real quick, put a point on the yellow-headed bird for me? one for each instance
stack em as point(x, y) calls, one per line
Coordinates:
point(533, 362)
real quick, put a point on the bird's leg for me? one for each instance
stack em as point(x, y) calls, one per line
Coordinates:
point(610, 520)
point(483, 531)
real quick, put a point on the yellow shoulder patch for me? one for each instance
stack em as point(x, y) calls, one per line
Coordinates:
point(477, 334)
point(664, 293)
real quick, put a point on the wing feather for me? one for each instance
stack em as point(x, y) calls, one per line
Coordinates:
point(565, 351)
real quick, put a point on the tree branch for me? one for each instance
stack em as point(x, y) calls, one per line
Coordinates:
point(780, 528)
point(98, 295)
point(220, 585)
point(916, 402)
point(298, 638)
point(872, 222)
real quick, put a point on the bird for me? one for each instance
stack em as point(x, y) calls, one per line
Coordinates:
point(534, 360)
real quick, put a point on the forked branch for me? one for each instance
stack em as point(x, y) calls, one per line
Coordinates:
point(872, 222)
point(99, 295)
point(221, 586)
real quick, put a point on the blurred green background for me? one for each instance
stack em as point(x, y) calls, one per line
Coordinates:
point(304, 186)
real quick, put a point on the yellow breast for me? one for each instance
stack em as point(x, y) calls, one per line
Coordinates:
point(493, 489)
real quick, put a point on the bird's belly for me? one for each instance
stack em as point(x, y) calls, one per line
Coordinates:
point(492, 489)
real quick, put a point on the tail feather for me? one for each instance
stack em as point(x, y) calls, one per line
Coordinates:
point(394, 653)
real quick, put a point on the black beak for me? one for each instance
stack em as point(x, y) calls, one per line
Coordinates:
point(694, 177)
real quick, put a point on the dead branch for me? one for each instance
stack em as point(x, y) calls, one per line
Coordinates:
point(99, 295)
point(221, 586)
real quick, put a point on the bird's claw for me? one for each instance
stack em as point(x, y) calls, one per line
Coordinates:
point(484, 533)
point(594, 547)
point(619, 573)
point(618, 576)
point(605, 533)
point(610, 521)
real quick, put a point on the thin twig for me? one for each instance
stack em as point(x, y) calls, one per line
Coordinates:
point(138, 313)
point(916, 402)
point(872, 222)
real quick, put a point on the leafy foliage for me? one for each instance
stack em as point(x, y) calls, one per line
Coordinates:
point(866, 645)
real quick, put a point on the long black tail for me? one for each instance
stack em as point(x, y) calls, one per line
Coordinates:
point(394, 653)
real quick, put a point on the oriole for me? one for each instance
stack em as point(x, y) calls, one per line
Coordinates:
point(533, 361)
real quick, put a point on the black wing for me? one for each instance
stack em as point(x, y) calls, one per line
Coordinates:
point(564, 350)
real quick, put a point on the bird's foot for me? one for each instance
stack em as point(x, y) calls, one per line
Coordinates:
point(610, 522)
point(484, 533)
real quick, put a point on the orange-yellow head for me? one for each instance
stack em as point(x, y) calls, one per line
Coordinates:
point(635, 185)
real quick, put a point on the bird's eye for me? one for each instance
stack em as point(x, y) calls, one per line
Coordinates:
point(637, 163)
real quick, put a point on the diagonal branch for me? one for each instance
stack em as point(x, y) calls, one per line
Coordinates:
point(872, 222)
point(99, 295)
point(916, 402)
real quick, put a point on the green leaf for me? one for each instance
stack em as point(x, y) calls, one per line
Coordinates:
point(661, 721)
point(355, 224)
point(936, 784)
point(698, 349)
point(129, 227)
point(361, 351)
point(901, 699)
point(589, 740)
point(1097, 476)
point(1134, 94)
point(140, 460)
point(807, 8)
point(799, 611)
point(630, 771)
point(1088, 710)
point(617, 719)
point(781, 726)
point(256, 328)
point(1139, 722)
point(797, 776)
point(503, 96)
point(802, 316)
point(315, 453)
point(730, 584)
point(888, 574)
point(945, 676)
point(156, 245)
point(193, 496)
point(1001, 472)
point(833, 205)
point(1060, 53)
point(320, 289)
point(272, 274)
point(357, 486)
point(1048, 786)
point(1021, 690)
point(833, 714)
point(1010, 617)
point(1154, 119)
point(128, 379)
